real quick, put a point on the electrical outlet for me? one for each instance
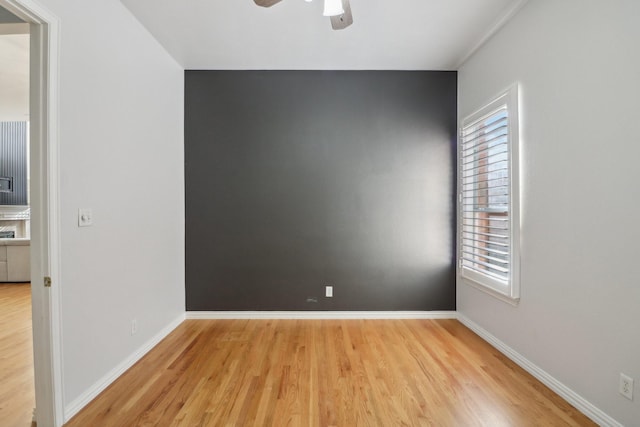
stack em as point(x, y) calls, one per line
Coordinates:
point(626, 386)
point(328, 291)
point(134, 326)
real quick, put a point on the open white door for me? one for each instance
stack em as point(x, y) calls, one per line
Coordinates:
point(44, 209)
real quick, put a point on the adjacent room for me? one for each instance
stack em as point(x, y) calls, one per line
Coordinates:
point(325, 213)
point(17, 395)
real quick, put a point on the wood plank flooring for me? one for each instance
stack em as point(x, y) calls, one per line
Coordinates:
point(17, 395)
point(326, 373)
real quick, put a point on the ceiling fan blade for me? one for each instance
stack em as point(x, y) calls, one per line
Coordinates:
point(266, 3)
point(340, 22)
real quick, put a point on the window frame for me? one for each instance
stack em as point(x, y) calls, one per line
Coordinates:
point(508, 290)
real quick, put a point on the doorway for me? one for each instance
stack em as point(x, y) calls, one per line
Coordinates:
point(17, 397)
point(44, 255)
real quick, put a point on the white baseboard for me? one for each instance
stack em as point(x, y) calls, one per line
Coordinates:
point(583, 405)
point(81, 401)
point(321, 315)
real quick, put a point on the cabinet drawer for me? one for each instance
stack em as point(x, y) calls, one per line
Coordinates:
point(18, 263)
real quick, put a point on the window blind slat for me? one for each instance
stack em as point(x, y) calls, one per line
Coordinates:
point(475, 157)
point(484, 165)
point(482, 125)
point(485, 138)
point(498, 229)
point(475, 260)
point(494, 172)
point(475, 254)
point(488, 249)
point(475, 150)
point(504, 193)
point(493, 243)
point(494, 218)
point(487, 181)
point(472, 135)
point(496, 236)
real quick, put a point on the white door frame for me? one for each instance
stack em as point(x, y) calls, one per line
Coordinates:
point(45, 228)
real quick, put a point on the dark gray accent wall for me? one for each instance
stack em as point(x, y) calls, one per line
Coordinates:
point(13, 162)
point(300, 179)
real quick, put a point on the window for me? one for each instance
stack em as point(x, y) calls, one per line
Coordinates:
point(489, 223)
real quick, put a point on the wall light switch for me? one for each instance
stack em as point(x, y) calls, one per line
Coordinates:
point(328, 291)
point(85, 217)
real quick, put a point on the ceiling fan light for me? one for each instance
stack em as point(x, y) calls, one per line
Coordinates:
point(333, 8)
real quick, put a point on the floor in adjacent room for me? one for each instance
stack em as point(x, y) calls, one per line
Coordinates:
point(326, 373)
point(17, 395)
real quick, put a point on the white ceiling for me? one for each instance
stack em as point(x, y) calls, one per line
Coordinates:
point(386, 34)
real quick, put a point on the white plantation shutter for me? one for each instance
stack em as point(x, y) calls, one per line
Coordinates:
point(488, 218)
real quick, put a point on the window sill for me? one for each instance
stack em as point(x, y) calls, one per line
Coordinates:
point(489, 290)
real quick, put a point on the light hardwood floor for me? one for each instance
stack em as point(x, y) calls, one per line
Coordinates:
point(326, 373)
point(17, 395)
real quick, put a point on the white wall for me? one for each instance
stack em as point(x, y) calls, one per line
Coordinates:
point(14, 76)
point(578, 64)
point(121, 154)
